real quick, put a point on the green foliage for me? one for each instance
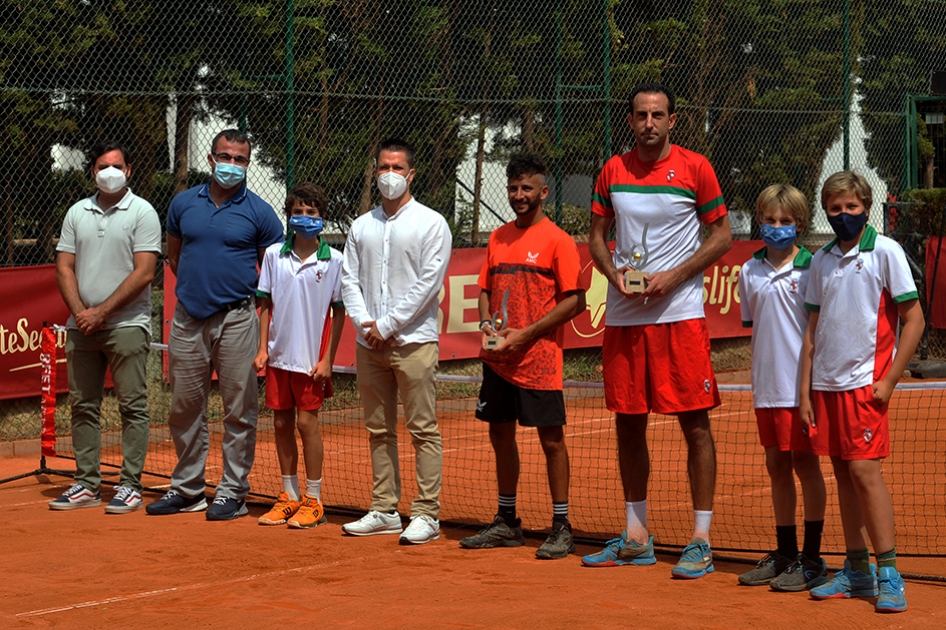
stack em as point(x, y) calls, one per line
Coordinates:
point(576, 220)
point(928, 205)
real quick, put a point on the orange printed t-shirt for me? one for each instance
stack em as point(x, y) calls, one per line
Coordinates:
point(537, 265)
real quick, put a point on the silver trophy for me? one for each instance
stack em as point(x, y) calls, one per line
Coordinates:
point(634, 278)
point(500, 320)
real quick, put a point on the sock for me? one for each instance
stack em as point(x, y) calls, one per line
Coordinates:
point(701, 523)
point(787, 538)
point(859, 559)
point(636, 514)
point(507, 508)
point(887, 559)
point(812, 546)
point(560, 511)
point(313, 488)
point(290, 485)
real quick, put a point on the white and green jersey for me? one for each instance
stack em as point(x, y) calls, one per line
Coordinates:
point(772, 302)
point(856, 296)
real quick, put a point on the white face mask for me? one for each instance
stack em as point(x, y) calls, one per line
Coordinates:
point(110, 180)
point(392, 185)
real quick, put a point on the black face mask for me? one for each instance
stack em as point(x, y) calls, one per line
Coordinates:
point(847, 226)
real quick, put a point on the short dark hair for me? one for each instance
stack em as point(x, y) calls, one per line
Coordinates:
point(232, 135)
point(652, 87)
point(525, 164)
point(308, 194)
point(106, 146)
point(396, 145)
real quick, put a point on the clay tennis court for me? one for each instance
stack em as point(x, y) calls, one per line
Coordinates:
point(87, 569)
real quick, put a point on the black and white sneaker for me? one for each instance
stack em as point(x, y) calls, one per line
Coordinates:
point(174, 503)
point(77, 496)
point(125, 500)
point(226, 509)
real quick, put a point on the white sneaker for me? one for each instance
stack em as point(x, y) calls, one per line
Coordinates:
point(374, 522)
point(422, 529)
point(126, 500)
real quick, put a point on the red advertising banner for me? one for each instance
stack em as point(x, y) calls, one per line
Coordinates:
point(459, 316)
point(47, 405)
point(29, 297)
point(936, 317)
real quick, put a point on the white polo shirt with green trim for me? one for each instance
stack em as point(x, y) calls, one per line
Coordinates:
point(772, 302)
point(303, 292)
point(856, 296)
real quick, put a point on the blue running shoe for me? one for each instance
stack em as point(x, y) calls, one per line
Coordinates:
point(696, 561)
point(620, 552)
point(847, 583)
point(893, 596)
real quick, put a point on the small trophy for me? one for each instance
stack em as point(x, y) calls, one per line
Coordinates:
point(500, 320)
point(634, 278)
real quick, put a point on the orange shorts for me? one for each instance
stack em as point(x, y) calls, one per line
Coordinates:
point(850, 425)
point(288, 390)
point(664, 368)
point(782, 427)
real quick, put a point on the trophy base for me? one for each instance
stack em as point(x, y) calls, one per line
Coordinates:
point(634, 281)
point(492, 343)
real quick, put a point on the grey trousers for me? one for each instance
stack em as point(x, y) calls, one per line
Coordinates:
point(226, 342)
point(125, 351)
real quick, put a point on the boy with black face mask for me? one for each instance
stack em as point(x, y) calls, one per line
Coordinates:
point(772, 288)
point(860, 286)
point(300, 292)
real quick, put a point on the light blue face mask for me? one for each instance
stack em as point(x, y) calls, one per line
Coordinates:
point(778, 237)
point(305, 225)
point(229, 175)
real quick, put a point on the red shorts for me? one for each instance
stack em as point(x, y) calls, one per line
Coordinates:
point(288, 390)
point(850, 425)
point(665, 368)
point(782, 427)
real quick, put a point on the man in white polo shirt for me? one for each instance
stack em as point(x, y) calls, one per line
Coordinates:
point(395, 262)
point(107, 255)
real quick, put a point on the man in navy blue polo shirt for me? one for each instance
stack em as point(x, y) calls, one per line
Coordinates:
point(216, 235)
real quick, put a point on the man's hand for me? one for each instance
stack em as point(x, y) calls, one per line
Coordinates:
point(882, 391)
point(372, 335)
point(515, 338)
point(90, 320)
point(322, 371)
point(807, 413)
point(617, 281)
point(260, 360)
point(662, 283)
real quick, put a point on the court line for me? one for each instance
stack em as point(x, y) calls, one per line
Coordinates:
point(174, 589)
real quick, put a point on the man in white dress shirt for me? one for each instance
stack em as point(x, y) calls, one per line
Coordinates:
point(395, 262)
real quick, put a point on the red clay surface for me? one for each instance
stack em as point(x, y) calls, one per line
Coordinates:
point(86, 569)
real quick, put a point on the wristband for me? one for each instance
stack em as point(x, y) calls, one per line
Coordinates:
point(484, 322)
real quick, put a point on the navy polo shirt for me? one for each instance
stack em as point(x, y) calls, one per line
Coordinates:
point(219, 246)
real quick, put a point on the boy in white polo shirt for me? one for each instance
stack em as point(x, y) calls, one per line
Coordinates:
point(860, 283)
point(772, 288)
point(300, 292)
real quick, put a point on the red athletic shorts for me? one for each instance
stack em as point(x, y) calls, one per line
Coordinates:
point(287, 390)
point(664, 368)
point(782, 427)
point(850, 425)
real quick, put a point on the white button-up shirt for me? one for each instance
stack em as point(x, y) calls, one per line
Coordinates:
point(393, 272)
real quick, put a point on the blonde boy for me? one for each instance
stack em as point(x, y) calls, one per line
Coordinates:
point(860, 283)
point(300, 291)
point(772, 288)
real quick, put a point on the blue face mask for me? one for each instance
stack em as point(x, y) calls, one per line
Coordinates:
point(847, 226)
point(229, 175)
point(778, 237)
point(305, 225)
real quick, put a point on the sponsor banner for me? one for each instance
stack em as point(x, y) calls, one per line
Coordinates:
point(47, 383)
point(30, 297)
point(459, 319)
point(936, 317)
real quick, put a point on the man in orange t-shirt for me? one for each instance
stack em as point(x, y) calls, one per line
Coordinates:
point(530, 287)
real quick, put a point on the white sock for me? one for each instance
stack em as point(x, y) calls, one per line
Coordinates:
point(313, 488)
point(290, 485)
point(701, 523)
point(636, 513)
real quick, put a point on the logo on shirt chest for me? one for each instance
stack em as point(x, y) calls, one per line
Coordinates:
point(670, 175)
point(793, 286)
point(532, 259)
point(858, 265)
point(318, 275)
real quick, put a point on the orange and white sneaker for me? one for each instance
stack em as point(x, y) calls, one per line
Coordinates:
point(281, 512)
point(310, 514)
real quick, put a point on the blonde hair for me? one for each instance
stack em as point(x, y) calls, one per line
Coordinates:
point(791, 200)
point(847, 181)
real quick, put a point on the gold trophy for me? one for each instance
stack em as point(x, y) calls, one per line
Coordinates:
point(634, 278)
point(500, 320)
